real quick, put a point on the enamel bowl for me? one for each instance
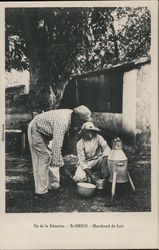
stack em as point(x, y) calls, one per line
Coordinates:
point(85, 189)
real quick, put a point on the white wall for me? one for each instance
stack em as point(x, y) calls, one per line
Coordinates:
point(143, 104)
point(129, 101)
point(143, 107)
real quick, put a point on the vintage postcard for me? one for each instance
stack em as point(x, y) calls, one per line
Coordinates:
point(79, 125)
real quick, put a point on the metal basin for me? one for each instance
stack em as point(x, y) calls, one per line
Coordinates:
point(100, 184)
point(85, 189)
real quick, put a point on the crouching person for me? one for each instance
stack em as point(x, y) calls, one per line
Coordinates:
point(51, 125)
point(92, 152)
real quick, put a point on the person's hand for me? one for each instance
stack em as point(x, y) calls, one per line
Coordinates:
point(89, 173)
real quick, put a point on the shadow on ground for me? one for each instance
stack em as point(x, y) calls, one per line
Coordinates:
point(20, 190)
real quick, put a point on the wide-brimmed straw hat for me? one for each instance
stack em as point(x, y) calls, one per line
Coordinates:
point(89, 126)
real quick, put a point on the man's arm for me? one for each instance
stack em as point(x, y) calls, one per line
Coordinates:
point(57, 143)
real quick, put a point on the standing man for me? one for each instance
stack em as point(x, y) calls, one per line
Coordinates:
point(52, 125)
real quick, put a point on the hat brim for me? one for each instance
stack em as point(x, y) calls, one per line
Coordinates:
point(91, 129)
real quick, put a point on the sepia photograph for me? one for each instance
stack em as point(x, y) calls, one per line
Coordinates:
point(78, 124)
point(78, 114)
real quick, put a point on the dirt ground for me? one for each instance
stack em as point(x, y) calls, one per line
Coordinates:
point(20, 190)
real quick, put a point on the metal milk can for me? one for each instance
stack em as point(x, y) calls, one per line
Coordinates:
point(117, 162)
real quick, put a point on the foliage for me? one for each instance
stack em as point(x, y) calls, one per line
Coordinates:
point(134, 36)
point(69, 34)
point(54, 43)
point(123, 35)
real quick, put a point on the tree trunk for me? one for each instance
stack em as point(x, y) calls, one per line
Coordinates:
point(116, 50)
point(45, 94)
point(46, 82)
point(39, 87)
point(41, 93)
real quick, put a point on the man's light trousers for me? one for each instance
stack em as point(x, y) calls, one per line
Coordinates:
point(45, 177)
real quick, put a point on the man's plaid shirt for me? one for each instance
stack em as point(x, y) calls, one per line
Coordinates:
point(55, 124)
